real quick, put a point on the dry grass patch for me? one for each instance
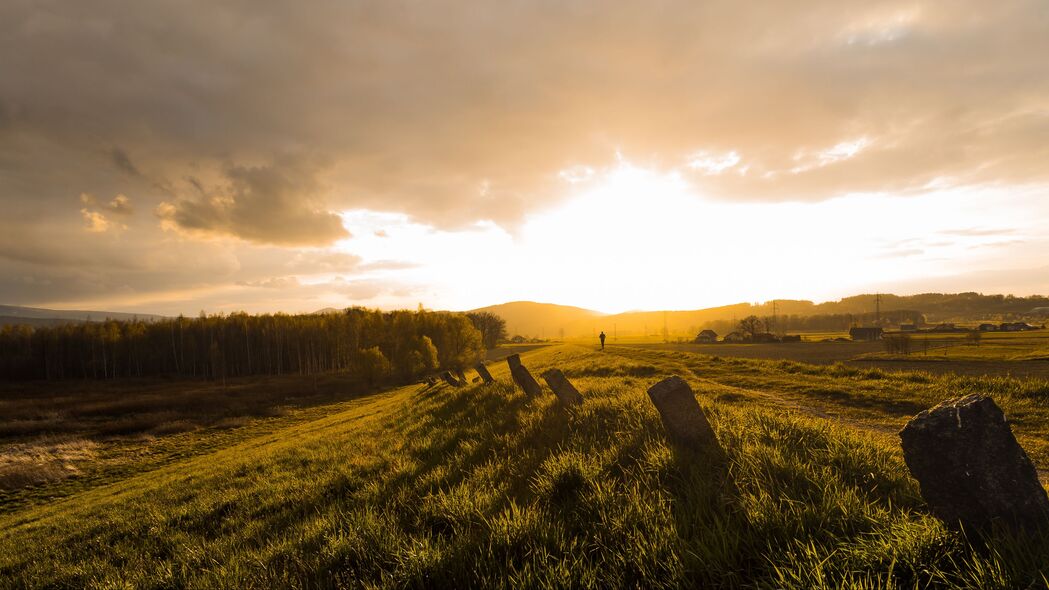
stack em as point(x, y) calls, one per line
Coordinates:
point(42, 461)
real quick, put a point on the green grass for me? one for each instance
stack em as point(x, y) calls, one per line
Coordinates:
point(993, 347)
point(483, 487)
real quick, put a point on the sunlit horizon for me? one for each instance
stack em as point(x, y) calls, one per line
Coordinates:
point(635, 239)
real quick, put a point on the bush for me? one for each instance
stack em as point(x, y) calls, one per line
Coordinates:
point(898, 344)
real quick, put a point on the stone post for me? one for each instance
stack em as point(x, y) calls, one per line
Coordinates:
point(522, 377)
point(562, 387)
point(684, 420)
point(450, 379)
point(971, 469)
point(482, 370)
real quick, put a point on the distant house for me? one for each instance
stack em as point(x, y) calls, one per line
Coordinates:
point(908, 327)
point(1016, 327)
point(866, 334)
point(518, 339)
point(706, 337)
point(988, 327)
point(764, 337)
point(735, 337)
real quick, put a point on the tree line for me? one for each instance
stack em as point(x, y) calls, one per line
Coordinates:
point(836, 322)
point(371, 345)
point(937, 306)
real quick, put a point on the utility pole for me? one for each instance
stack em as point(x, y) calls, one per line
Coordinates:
point(666, 335)
point(877, 309)
point(774, 328)
point(615, 332)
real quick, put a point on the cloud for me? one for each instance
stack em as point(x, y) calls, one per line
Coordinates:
point(119, 205)
point(274, 283)
point(454, 113)
point(979, 232)
point(367, 289)
point(123, 162)
point(276, 203)
point(388, 265)
point(94, 221)
point(323, 261)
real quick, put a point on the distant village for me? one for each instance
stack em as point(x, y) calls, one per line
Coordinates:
point(748, 335)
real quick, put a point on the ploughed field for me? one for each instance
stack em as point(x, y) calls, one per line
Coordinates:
point(293, 482)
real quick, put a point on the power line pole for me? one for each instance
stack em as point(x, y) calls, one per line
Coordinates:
point(774, 327)
point(877, 309)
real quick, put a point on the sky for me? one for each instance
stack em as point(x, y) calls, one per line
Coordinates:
point(177, 157)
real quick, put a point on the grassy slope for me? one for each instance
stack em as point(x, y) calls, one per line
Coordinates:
point(482, 486)
point(129, 426)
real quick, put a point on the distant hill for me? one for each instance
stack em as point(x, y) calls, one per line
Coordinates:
point(328, 311)
point(548, 320)
point(532, 319)
point(35, 316)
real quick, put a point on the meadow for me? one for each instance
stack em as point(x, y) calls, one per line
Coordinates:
point(991, 346)
point(483, 486)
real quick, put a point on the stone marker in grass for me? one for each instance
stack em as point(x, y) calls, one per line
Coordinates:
point(684, 420)
point(450, 379)
point(971, 469)
point(483, 372)
point(522, 377)
point(462, 376)
point(562, 387)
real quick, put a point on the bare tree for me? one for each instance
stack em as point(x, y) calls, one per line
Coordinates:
point(750, 324)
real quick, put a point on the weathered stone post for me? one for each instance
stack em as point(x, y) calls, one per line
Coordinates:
point(684, 420)
point(462, 376)
point(482, 370)
point(971, 469)
point(562, 387)
point(522, 377)
point(450, 379)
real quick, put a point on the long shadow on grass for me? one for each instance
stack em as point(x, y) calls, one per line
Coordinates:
point(894, 407)
point(710, 522)
point(481, 417)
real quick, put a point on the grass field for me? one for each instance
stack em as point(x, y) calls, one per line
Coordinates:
point(993, 346)
point(482, 486)
point(1016, 354)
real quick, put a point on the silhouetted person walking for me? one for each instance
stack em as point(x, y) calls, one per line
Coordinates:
point(602, 337)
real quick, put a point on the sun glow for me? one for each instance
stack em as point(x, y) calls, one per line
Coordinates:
point(632, 238)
